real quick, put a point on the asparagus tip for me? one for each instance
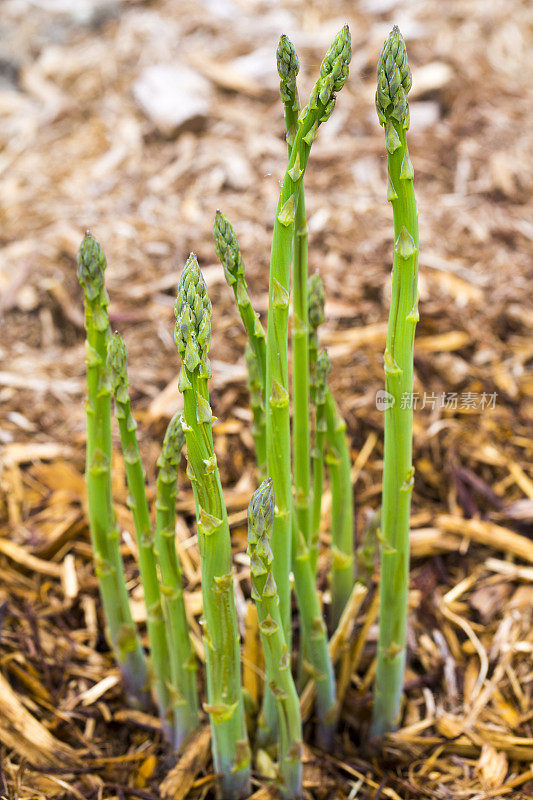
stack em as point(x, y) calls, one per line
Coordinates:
point(193, 316)
point(227, 246)
point(334, 67)
point(173, 441)
point(288, 68)
point(117, 362)
point(317, 301)
point(91, 266)
point(394, 80)
point(261, 510)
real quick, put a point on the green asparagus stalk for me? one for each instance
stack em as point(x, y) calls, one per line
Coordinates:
point(231, 753)
point(257, 404)
point(288, 67)
point(333, 74)
point(183, 690)
point(118, 377)
point(339, 468)
point(277, 659)
point(319, 368)
point(314, 634)
point(227, 250)
point(120, 628)
point(318, 390)
point(394, 82)
point(342, 518)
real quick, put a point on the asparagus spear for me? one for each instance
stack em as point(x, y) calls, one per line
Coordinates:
point(231, 753)
point(120, 628)
point(227, 250)
point(288, 67)
point(277, 659)
point(257, 403)
point(342, 520)
point(318, 377)
point(339, 468)
point(394, 82)
point(333, 74)
point(183, 691)
point(314, 634)
point(118, 377)
point(318, 386)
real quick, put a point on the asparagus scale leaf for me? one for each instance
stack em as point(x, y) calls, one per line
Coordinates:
point(231, 752)
point(105, 537)
point(394, 82)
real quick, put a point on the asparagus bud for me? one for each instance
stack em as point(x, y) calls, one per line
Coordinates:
point(277, 661)
point(92, 264)
point(317, 301)
point(394, 80)
point(319, 380)
point(173, 442)
point(227, 249)
point(288, 68)
point(117, 366)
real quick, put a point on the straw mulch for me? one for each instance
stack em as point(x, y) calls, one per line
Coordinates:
point(76, 152)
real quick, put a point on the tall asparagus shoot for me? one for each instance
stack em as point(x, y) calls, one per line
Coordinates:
point(183, 690)
point(231, 753)
point(288, 68)
point(228, 251)
point(118, 377)
point(333, 74)
point(277, 659)
point(109, 568)
point(394, 82)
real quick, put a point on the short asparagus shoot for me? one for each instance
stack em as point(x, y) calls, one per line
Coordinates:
point(182, 686)
point(394, 82)
point(118, 377)
point(231, 752)
point(277, 660)
point(105, 536)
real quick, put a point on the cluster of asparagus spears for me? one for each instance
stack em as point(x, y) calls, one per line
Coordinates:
point(284, 515)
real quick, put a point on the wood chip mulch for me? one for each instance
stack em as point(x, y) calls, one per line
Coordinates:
point(77, 152)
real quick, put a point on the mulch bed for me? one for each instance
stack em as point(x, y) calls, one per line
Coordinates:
point(77, 152)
